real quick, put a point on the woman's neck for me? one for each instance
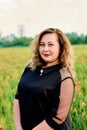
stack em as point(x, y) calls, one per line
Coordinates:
point(49, 65)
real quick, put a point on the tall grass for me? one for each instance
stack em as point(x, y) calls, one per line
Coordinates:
point(79, 106)
point(12, 64)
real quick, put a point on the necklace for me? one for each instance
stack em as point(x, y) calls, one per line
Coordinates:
point(41, 72)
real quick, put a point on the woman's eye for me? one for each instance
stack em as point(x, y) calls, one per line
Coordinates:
point(42, 44)
point(51, 44)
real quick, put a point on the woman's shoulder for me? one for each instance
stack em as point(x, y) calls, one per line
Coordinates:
point(65, 73)
point(26, 69)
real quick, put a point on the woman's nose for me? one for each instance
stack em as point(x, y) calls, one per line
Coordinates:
point(46, 48)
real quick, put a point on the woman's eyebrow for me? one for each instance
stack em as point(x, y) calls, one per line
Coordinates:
point(48, 42)
point(41, 42)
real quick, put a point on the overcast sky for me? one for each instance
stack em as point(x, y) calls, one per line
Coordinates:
point(36, 15)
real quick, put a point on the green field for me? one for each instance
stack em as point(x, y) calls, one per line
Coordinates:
point(12, 64)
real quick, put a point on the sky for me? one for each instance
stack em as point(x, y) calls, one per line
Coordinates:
point(37, 15)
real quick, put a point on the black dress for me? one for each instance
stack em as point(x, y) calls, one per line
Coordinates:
point(38, 95)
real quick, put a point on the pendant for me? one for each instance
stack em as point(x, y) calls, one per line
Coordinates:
point(41, 72)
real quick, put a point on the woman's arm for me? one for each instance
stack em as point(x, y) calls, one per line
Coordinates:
point(17, 115)
point(66, 97)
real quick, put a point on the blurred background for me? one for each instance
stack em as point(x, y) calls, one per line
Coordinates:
point(34, 15)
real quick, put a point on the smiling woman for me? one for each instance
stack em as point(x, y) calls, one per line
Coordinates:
point(45, 90)
point(49, 49)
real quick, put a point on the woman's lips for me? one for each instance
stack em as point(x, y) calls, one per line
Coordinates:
point(46, 55)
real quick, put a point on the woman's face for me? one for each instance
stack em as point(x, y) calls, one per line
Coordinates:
point(49, 48)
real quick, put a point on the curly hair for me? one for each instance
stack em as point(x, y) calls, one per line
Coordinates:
point(65, 58)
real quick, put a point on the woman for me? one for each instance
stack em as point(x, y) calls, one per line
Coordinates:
point(46, 88)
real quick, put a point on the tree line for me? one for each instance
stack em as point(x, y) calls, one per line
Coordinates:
point(77, 39)
point(26, 41)
point(23, 41)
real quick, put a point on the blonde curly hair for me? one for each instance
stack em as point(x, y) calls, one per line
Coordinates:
point(66, 57)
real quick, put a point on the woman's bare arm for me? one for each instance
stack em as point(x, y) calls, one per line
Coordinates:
point(17, 119)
